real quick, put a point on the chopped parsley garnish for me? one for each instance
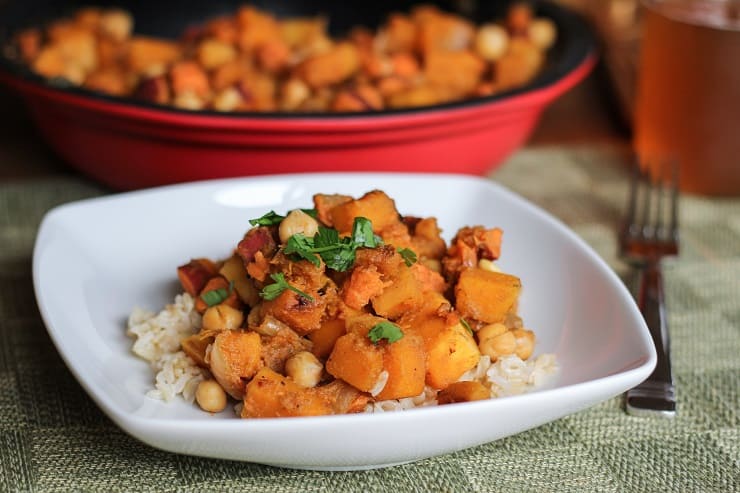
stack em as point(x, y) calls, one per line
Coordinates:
point(466, 325)
point(311, 212)
point(270, 219)
point(216, 296)
point(338, 253)
point(385, 330)
point(272, 291)
point(408, 255)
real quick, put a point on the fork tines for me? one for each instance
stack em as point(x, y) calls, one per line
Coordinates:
point(650, 228)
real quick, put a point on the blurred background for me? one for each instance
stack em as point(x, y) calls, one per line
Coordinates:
point(596, 112)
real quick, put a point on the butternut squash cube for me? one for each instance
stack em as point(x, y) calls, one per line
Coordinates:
point(405, 294)
point(271, 395)
point(357, 361)
point(326, 336)
point(463, 392)
point(486, 296)
point(450, 353)
point(404, 360)
point(376, 206)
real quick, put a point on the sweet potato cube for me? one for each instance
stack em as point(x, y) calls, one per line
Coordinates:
point(463, 392)
point(234, 271)
point(376, 206)
point(271, 395)
point(356, 360)
point(403, 295)
point(326, 336)
point(486, 296)
point(404, 360)
point(450, 353)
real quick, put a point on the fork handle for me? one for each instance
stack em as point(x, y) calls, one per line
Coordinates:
point(656, 395)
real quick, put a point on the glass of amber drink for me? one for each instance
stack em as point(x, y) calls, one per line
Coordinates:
point(688, 95)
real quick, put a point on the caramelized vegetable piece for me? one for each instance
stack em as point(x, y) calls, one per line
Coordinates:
point(486, 296)
point(277, 349)
point(404, 360)
point(326, 336)
point(234, 359)
point(404, 294)
point(376, 206)
point(450, 353)
point(195, 346)
point(364, 282)
point(463, 392)
point(357, 361)
point(194, 275)
point(271, 395)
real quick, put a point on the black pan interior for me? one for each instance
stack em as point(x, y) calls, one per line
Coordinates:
point(169, 18)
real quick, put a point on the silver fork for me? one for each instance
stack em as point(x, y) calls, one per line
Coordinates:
point(649, 233)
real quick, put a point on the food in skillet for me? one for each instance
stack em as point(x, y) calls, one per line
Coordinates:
point(343, 308)
point(252, 61)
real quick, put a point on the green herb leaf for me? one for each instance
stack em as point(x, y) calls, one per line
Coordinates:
point(270, 219)
point(302, 247)
point(216, 296)
point(466, 325)
point(311, 212)
point(408, 255)
point(362, 233)
point(272, 291)
point(340, 258)
point(326, 237)
point(337, 253)
point(385, 330)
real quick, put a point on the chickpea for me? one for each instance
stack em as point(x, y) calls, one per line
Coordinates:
point(188, 101)
point(491, 42)
point(210, 396)
point(501, 345)
point(297, 222)
point(222, 317)
point(304, 369)
point(490, 331)
point(116, 24)
point(524, 342)
point(542, 32)
point(488, 265)
point(294, 92)
point(227, 100)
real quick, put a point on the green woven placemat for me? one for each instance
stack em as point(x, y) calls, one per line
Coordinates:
point(53, 438)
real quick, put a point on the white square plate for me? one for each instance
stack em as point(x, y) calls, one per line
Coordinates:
point(96, 259)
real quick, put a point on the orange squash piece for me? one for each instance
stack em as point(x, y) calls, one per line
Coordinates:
point(376, 206)
point(271, 395)
point(486, 296)
point(326, 336)
point(356, 360)
point(403, 295)
point(404, 360)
